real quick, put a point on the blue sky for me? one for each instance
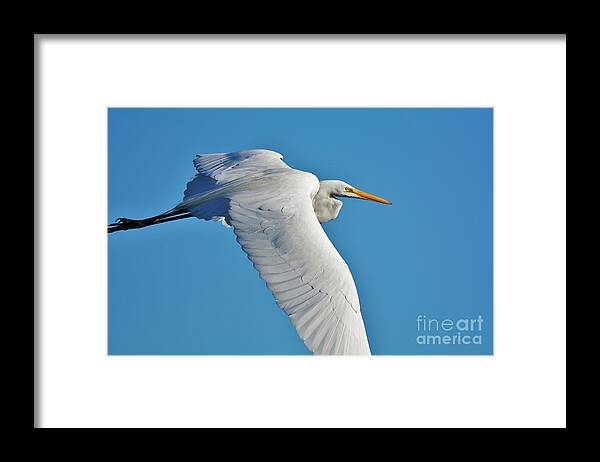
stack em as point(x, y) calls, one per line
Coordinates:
point(186, 287)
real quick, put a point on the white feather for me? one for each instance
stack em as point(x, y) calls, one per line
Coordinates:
point(271, 208)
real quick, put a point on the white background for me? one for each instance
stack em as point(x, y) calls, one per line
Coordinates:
point(523, 384)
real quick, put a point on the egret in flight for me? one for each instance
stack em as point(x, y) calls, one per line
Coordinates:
point(276, 213)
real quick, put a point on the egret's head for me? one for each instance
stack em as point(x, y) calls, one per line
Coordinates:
point(326, 203)
point(337, 188)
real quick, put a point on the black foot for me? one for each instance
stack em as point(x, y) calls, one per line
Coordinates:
point(122, 224)
point(127, 221)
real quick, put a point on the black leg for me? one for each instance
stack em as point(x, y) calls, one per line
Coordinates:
point(123, 224)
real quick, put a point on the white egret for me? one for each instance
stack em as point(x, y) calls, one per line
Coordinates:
point(276, 213)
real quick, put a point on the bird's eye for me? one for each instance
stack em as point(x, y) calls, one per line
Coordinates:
point(347, 189)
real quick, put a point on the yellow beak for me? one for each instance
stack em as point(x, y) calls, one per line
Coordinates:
point(370, 197)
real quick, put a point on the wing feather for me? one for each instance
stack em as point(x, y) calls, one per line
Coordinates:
point(279, 231)
point(214, 170)
point(270, 208)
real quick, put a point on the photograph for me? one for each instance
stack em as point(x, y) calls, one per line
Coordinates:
point(371, 230)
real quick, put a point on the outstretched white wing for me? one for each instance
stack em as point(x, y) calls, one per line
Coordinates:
point(216, 170)
point(274, 221)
